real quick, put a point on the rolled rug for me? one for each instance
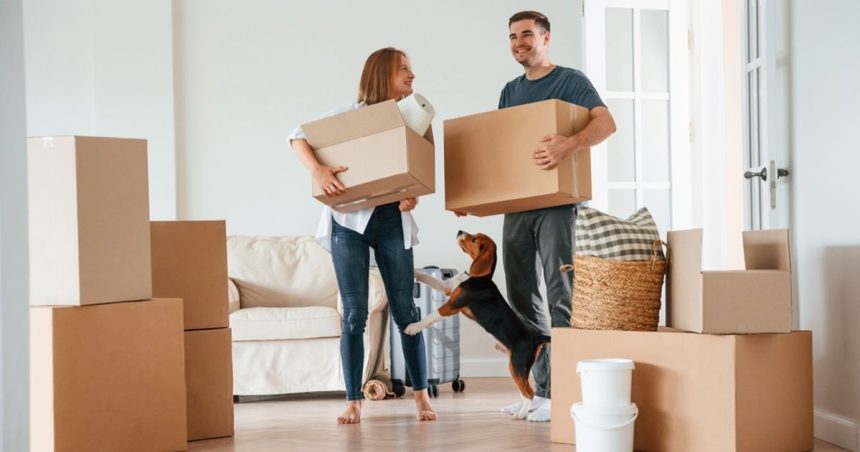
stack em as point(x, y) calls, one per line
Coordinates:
point(377, 390)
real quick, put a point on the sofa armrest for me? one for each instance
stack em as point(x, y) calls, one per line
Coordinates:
point(232, 296)
point(377, 300)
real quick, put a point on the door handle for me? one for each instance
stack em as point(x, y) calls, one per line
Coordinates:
point(762, 173)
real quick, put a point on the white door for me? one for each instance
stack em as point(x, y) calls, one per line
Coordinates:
point(766, 116)
point(637, 57)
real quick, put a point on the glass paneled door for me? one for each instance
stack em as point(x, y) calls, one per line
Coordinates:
point(636, 54)
point(766, 116)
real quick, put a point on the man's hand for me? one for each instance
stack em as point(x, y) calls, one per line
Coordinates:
point(408, 204)
point(326, 178)
point(551, 151)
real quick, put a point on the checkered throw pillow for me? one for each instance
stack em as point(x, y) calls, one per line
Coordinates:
point(602, 235)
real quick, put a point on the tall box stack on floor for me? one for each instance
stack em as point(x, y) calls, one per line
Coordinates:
point(107, 367)
point(189, 261)
point(727, 375)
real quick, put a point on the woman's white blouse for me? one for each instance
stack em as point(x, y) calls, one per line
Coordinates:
point(358, 220)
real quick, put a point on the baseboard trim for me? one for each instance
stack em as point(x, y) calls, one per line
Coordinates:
point(484, 367)
point(837, 430)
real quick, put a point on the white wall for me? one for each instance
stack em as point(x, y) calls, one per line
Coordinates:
point(14, 382)
point(99, 67)
point(825, 97)
point(247, 72)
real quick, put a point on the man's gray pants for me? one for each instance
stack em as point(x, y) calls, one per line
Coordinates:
point(535, 242)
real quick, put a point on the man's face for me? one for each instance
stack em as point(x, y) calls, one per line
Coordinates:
point(528, 42)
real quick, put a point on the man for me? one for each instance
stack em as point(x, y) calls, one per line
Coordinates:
point(541, 240)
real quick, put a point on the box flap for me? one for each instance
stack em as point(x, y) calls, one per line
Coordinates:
point(353, 124)
point(684, 280)
point(767, 250)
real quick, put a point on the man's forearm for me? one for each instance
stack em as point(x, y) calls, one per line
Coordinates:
point(597, 130)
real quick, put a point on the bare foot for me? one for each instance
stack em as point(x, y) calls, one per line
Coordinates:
point(352, 415)
point(422, 406)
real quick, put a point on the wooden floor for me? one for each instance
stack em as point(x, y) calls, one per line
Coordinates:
point(467, 421)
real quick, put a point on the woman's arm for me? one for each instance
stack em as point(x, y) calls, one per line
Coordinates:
point(324, 176)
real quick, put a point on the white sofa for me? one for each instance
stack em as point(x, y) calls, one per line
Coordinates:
point(285, 313)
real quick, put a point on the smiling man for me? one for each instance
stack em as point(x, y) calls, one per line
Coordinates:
point(540, 241)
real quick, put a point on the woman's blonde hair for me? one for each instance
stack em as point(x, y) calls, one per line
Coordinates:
point(375, 85)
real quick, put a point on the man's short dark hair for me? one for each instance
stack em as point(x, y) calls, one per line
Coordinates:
point(540, 19)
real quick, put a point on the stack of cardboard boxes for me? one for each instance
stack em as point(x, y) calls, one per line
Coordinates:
point(730, 375)
point(107, 361)
point(113, 368)
point(189, 261)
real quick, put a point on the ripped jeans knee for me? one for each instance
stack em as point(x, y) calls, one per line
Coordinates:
point(403, 316)
point(354, 320)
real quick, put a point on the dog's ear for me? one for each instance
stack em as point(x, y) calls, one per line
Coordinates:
point(483, 263)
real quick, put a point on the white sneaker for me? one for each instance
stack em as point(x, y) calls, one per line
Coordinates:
point(537, 402)
point(541, 414)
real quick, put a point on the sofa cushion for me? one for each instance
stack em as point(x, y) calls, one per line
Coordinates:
point(269, 324)
point(281, 271)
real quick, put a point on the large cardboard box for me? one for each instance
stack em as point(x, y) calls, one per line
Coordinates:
point(88, 220)
point(108, 377)
point(489, 168)
point(698, 392)
point(754, 300)
point(189, 261)
point(209, 383)
point(387, 160)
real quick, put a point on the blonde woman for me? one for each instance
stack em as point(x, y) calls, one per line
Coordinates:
point(389, 230)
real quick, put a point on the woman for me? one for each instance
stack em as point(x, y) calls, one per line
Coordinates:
point(389, 229)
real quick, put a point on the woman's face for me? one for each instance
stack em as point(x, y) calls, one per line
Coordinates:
point(403, 77)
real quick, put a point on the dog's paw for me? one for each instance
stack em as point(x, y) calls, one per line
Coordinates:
point(523, 412)
point(520, 415)
point(413, 328)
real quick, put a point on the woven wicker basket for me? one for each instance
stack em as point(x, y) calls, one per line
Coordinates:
point(616, 295)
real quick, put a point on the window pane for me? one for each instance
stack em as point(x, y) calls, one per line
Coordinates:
point(659, 203)
point(655, 140)
point(622, 202)
point(753, 111)
point(654, 30)
point(619, 49)
point(620, 144)
point(752, 30)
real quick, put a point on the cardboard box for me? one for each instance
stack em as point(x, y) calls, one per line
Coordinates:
point(209, 383)
point(489, 165)
point(755, 300)
point(698, 392)
point(108, 377)
point(189, 261)
point(88, 220)
point(387, 160)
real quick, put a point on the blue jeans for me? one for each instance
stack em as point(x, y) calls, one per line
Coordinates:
point(351, 255)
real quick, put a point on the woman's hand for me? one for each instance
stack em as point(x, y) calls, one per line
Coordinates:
point(326, 178)
point(408, 204)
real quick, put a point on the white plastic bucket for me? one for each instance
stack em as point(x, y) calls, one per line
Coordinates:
point(605, 382)
point(604, 429)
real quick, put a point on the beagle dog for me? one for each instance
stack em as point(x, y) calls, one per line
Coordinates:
point(477, 297)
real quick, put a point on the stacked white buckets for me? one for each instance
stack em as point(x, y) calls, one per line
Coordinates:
point(604, 418)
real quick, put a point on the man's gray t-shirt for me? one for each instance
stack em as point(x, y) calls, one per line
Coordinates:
point(569, 85)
